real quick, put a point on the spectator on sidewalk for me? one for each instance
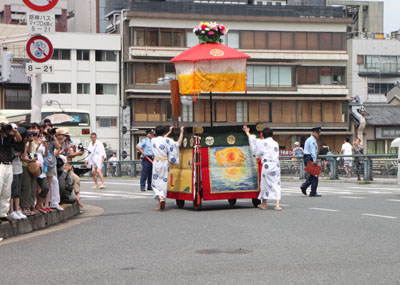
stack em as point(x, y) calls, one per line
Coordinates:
point(358, 149)
point(298, 150)
point(113, 164)
point(324, 164)
point(146, 150)
point(347, 149)
point(8, 137)
point(52, 148)
point(95, 160)
point(15, 210)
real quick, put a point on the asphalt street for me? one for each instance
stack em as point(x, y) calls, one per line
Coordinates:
point(351, 235)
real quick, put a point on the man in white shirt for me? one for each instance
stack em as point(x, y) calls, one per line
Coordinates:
point(347, 149)
point(95, 159)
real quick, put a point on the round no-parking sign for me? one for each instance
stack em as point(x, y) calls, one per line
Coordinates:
point(39, 48)
point(41, 5)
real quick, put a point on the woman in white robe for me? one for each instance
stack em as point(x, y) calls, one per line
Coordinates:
point(165, 150)
point(267, 150)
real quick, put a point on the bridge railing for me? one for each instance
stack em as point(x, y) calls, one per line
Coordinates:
point(364, 166)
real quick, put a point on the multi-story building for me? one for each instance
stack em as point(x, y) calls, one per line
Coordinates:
point(87, 16)
point(367, 16)
point(14, 12)
point(86, 77)
point(296, 74)
point(373, 68)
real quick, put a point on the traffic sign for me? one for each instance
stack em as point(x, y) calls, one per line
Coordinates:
point(39, 23)
point(41, 5)
point(32, 67)
point(39, 48)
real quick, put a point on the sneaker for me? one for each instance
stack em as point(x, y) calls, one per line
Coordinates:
point(21, 215)
point(57, 207)
point(14, 216)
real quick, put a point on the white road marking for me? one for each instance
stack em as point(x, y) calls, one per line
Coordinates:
point(112, 183)
point(326, 210)
point(380, 216)
point(351, 197)
point(393, 200)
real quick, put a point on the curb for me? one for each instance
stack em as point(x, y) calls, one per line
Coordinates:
point(38, 222)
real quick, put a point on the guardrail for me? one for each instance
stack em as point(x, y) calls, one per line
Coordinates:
point(364, 166)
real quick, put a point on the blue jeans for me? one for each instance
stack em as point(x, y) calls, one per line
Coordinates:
point(311, 179)
point(147, 168)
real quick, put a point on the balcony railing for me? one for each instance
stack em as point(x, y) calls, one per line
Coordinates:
point(383, 69)
point(229, 10)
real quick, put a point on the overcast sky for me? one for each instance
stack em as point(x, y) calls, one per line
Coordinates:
point(391, 16)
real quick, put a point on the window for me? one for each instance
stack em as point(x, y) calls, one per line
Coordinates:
point(56, 88)
point(269, 76)
point(106, 89)
point(148, 73)
point(82, 54)
point(83, 88)
point(325, 41)
point(375, 147)
point(232, 39)
point(192, 39)
point(106, 55)
point(241, 112)
point(187, 113)
point(247, 40)
point(321, 75)
point(300, 41)
point(61, 54)
point(17, 99)
point(379, 88)
point(106, 122)
point(160, 37)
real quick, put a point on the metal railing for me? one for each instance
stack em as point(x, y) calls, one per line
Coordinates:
point(364, 166)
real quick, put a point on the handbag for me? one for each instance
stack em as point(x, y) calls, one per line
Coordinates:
point(34, 169)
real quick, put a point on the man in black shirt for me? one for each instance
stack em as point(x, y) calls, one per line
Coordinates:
point(8, 136)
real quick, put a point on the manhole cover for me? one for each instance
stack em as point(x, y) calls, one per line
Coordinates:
point(223, 251)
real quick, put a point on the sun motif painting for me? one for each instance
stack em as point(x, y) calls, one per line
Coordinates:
point(232, 169)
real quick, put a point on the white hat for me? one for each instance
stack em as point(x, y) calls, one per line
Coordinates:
point(296, 143)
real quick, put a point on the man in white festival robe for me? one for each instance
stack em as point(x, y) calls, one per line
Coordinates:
point(165, 150)
point(95, 160)
point(267, 150)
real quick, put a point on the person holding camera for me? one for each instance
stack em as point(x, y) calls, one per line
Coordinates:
point(29, 183)
point(67, 152)
point(52, 148)
point(8, 137)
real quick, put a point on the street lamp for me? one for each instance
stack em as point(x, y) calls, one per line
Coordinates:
point(50, 102)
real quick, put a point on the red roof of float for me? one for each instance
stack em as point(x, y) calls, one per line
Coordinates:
point(209, 51)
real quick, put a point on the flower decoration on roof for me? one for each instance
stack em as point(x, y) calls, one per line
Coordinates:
point(210, 32)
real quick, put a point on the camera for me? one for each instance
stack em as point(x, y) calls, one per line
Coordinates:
point(80, 147)
point(29, 133)
point(51, 132)
point(5, 127)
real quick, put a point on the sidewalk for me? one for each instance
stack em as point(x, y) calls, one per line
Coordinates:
point(38, 222)
point(353, 180)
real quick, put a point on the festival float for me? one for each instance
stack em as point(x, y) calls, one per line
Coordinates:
point(215, 162)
